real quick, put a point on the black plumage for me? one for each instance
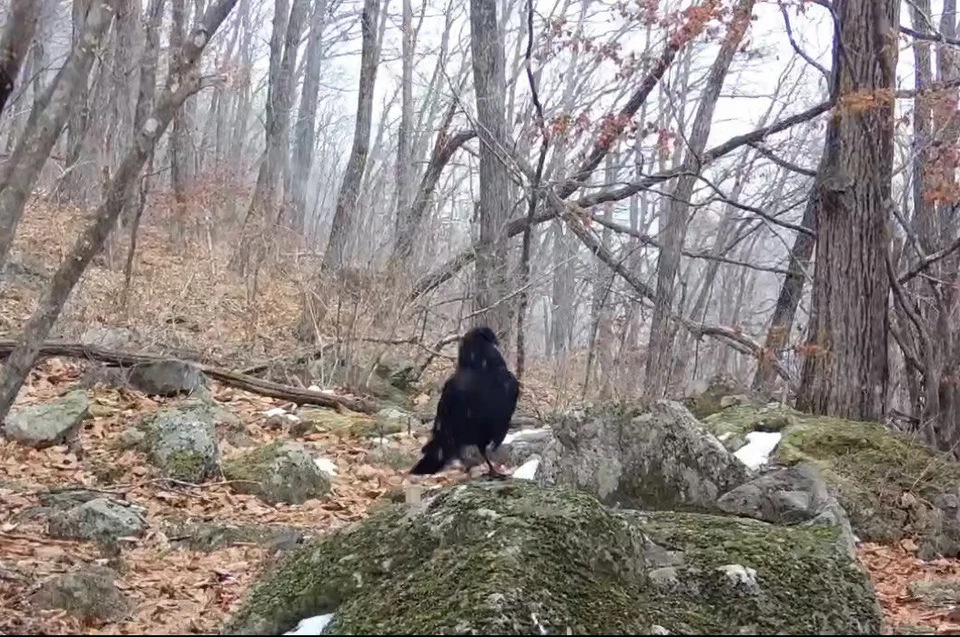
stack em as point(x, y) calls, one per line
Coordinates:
point(476, 404)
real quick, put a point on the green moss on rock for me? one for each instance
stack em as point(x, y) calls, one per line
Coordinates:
point(277, 472)
point(512, 558)
point(883, 480)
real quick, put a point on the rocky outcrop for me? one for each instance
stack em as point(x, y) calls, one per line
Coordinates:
point(530, 560)
point(661, 458)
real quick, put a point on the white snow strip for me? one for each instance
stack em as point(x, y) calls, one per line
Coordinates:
point(760, 444)
point(380, 440)
point(314, 388)
point(311, 625)
point(276, 411)
point(326, 465)
point(528, 470)
point(526, 433)
point(722, 437)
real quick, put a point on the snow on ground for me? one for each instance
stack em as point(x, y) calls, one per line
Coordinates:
point(311, 625)
point(528, 470)
point(526, 433)
point(760, 444)
point(326, 465)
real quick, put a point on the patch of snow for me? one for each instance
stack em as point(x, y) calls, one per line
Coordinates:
point(380, 440)
point(311, 625)
point(722, 437)
point(528, 470)
point(276, 411)
point(314, 388)
point(760, 444)
point(292, 418)
point(526, 433)
point(326, 465)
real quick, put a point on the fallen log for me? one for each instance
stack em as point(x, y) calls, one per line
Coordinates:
point(227, 377)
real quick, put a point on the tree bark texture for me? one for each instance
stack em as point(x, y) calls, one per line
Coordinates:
point(14, 42)
point(46, 121)
point(492, 278)
point(845, 368)
point(183, 81)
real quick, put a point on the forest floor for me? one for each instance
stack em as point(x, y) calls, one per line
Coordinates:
point(176, 590)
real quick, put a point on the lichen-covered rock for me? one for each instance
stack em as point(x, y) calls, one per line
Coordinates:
point(166, 378)
point(711, 399)
point(889, 486)
point(88, 593)
point(278, 472)
point(661, 458)
point(99, 519)
point(50, 423)
point(495, 557)
point(181, 441)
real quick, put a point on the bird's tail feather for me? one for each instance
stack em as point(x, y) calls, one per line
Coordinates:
point(433, 460)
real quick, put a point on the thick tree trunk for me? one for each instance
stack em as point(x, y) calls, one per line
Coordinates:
point(47, 119)
point(182, 83)
point(181, 146)
point(14, 42)
point(663, 329)
point(492, 276)
point(845, 369)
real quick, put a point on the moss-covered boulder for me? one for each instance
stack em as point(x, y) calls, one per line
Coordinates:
point(494, 557)
point(890, 486)
point(656, 458)
point(181, 441)
point(277, 472)
point(47, 424)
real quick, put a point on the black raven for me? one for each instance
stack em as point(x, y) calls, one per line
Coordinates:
point(475, 406)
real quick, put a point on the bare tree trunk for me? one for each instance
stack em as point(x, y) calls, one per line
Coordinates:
point(404, 133)
point(181, 147)
point(265, 204)
point(662, 328)
point(183, 82)
point(133, 207)
point(305, 129)
point(21, 171)
point(335, 255)
point(845, 370)
point(492, 277)
point(791, 291)
point(14, 42)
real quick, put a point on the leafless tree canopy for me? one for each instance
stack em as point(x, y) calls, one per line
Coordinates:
point(636, 196)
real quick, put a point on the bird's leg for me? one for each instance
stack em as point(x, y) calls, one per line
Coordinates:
point(493, 472)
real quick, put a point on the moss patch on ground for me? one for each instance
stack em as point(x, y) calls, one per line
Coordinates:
point(511, 558)
point(885, 481)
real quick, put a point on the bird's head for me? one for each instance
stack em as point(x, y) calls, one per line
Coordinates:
point(482, 333)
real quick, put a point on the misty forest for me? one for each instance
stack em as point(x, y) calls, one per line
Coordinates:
point(479, 316)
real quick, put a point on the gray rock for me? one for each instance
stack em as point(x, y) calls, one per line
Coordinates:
point(50, 423)
point(278, 472)
point(661, 458)
point(792, 495)
point(944, 592)
point(166, 378)
point(739, 577)
point(115, 338)
point(88, 593)
point(100, 519)
point(181, 442)
point(530, 560)
point(520, 446)
point(210, 536)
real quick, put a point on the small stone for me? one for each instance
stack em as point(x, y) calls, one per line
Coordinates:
point(741, 577)
point(99, 519)
point(664, 577)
